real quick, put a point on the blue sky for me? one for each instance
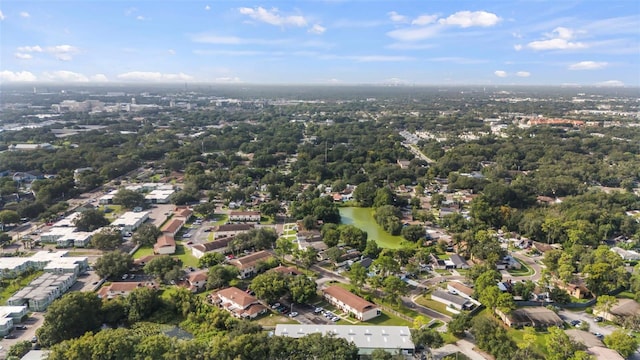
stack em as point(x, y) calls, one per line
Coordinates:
point(322, 42)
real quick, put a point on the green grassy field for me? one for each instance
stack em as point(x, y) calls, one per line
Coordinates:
point(426, 301)
point(523, 271)
point(181, 253)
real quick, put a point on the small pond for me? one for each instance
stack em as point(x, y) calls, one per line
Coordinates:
point(363, 219)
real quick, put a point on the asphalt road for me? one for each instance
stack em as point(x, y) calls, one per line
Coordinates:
point(32, 323)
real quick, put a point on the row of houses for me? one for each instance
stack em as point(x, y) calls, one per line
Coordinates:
point(166, 243)
point(10, 316)
point(156, 193)
point(54, 262)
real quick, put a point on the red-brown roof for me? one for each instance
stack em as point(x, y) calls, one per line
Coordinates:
point(286, 270)
point(144, 259)
point(183, 211)
point(173, 226)
point(196, 276)
point(251, 259)
point(352, 300)
point(237, 296)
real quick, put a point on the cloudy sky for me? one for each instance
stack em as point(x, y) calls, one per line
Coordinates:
point(322, 42)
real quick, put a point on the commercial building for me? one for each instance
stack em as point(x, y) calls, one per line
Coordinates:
point(54, 262)
point(159, 196)
point(393, 339)
point(351, 303)
point(42, 291)
point(66, 237)
point(130, 221)
point(9, 316)
point(231, 230)
point(244, 216)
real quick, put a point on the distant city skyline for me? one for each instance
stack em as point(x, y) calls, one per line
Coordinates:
point(588, 43)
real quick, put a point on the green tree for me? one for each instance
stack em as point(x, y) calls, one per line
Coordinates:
point(381, 354)
point(146, 234)
point(107, 239)
point(113, 264)
point(71, 316)
point(365, 193)
point(91, 220)
point(352, 236)
point(604, 303)
point(284, 247)
point(559, 345)
point(620, 341)
point(271, 208)
point(372, 249)
point(427, 337)
point(8, 217)
point(270, 286)
point(413, 233)
point(459, 324)
point(394, 289)
point(220, 275)
point(358, 275)
point(384, 196)
point(330, 235)
point(129, 199)
point(153, 347)
point(301, 288)
point(210, 259)
point(141, 303)
point(161, 265)
point(19, 349)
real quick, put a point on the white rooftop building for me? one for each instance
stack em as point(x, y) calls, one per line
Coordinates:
point(10, 315)
point(159, 196)
point(393, 339)
point(42, 291)
point(130, 220)
point(56, 261)
point(68, 221)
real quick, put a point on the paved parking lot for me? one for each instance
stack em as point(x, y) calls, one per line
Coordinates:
point(32, 323)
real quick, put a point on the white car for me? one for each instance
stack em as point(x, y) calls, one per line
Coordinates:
point(293, 314)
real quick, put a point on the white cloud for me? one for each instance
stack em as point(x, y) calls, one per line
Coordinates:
point(458, 60)
point(153, 76)
point(317, 29)
point(272, 17)
point(18, 76)
point(517, 47)
point(140, 18)
point(424, 20)
point(415, 34)
point(500, 73)
point(395, 81)
point(555, 44)
point(467, 19)
point(130, 11)
point(588, 65)
point(426, 26)
point(171, 52)
point(23, 56)
point(228, 80)
point(1, 16)
point(207, 7)
point(409, 46)
point(99, 78)
point(35, 48)
point(25, 14)
point(523, 74)
point(558, 39)
point(334, 81)
point(395, 17)
point(611, 83)
point(63, 52)
point(65, 76)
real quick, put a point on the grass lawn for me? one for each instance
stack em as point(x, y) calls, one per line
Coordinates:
point(443, 272)
point(436, 324)
point(449, 338)
point(186, 257)
point(425, 300)
point(539, 346)
point(10, 287)
point(143, 251)
point(443, 256)
point(523, 271)
point(386, 319)
point(626, 295)
point(271, 319)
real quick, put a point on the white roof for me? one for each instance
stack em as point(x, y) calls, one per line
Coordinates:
point(68, 221)
point(59, 231)
point(6, 311)
point(36, 355)
point(130, 218)
point(159, 194)
point(371, 337)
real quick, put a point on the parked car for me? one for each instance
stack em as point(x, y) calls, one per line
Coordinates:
point(599, 336)
point(318, 310)
point(21, 327)
point(275, 306)
point(335, 318)
point(125, 276)
point(293, 314)
point(9, 336)
point(598, 319)
point(34, 339)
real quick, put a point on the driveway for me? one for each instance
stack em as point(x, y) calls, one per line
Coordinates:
point(594, 327)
